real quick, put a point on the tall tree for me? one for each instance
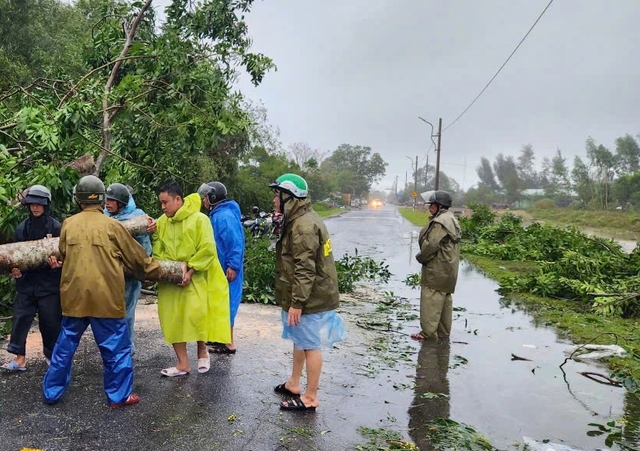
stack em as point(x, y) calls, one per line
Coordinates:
point(525, 166)
point(582, 181)
point(357, 166)
point(627, 155)
point(305, 156)
point(507, 174)
point(604, 163)
point(486, 175)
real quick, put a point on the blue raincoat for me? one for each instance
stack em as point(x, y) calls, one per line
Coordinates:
point(132, 286)
point(229, 235)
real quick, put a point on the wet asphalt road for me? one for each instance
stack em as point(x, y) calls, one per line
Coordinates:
point(233, 407)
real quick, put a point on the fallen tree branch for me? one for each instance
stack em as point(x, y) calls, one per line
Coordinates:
point(587, 343)
point(607, 380)
point(517, 357)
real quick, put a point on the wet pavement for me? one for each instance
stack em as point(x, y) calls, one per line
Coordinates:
point(371, 380)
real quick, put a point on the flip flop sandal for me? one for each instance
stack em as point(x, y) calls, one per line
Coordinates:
point(204, 364)
point(222, 350)
point(296, 404)
point(284, 390)
point(13, 367)
point(132, 399)
point(173, 372)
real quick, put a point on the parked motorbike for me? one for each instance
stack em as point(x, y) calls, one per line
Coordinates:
point(261, 225)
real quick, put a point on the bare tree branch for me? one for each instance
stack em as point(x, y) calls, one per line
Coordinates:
point(106, 116)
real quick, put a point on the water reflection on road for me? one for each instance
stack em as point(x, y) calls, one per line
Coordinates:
point(478, 381)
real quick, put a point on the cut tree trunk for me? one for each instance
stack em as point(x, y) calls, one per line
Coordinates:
point(26, 255)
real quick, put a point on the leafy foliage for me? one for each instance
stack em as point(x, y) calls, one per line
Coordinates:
point(260, 267)
point(447, 434)
point(571, 265)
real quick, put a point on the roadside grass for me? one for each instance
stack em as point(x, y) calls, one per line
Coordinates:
point(416, 217)
point(571, 320)
point(619, 224)
point(325, 212)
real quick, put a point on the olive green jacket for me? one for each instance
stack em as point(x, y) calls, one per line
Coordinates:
point(95, 250)
point(440, 252)
point(306, 276)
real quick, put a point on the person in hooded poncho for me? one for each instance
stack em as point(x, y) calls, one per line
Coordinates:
point(198, 308)
point(229, 236)
point(439, 256)
point(120, 205)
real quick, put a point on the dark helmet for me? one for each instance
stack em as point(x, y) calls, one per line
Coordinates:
point(118, 192)
point(255, 209)
point(217, 193)
point(37, 194)
point(89, 190)
point(442, 198)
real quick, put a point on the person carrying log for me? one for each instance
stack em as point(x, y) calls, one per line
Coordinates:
point(38, 290)
point(95, 251)
point(121, 206)
point(197, 309)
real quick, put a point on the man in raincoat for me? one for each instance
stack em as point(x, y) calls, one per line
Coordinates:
point(95, 252)
point(306, 290)
point(440, 257)
point(228, 232)
point(121, 206)
point(198, 308)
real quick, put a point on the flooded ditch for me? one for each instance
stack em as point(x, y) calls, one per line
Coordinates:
point(480, 378)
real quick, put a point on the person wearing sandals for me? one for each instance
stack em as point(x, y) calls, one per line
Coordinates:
point(306, 288)
point(38, 290)
point(121, 206)
point(197, 309)
point(95, 251)
point(228, 233)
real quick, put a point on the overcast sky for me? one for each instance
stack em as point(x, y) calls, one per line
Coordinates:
point(362, 71)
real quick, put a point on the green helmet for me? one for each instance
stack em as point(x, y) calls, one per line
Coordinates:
point(292, 184)
point(118, 192)
point(89, 190)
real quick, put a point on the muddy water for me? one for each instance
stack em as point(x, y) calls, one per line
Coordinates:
point(505, 400)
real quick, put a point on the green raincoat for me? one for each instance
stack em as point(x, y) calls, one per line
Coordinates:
point(199, 311)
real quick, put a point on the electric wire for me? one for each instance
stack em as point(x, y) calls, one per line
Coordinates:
point(501, 67)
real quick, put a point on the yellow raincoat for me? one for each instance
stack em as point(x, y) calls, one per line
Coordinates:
point(199, 311)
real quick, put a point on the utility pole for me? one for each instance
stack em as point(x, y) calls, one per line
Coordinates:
point(426, 175)
point(415, 185)
point(437, 183)
point(406, 179)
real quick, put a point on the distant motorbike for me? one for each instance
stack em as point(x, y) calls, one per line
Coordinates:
point(262, 224)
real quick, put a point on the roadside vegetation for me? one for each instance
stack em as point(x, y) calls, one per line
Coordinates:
point(585, 286)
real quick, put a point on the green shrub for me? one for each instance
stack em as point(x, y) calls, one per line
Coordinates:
point(545, 204)
point(260, 269)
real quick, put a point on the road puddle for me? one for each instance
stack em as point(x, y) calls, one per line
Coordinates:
point(501, 371)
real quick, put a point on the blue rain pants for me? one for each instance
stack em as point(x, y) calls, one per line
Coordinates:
point(112, 337)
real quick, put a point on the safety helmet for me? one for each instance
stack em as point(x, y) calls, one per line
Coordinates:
point(118, 192)
point(292, 184)
point(37, 194)
point(217, 193)
point(89, 190)
point(255, 210)
point(439, 197)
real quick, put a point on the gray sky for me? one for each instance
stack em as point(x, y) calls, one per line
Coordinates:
point(361, 71)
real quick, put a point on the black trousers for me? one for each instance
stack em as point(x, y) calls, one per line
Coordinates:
point(49, 318)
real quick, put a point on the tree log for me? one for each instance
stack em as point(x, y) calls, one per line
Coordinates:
point(26, 255)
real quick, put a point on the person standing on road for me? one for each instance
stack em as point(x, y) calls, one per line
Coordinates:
point(198, 308)
point(306, 288)
point(38, 290)
point(95, 251)
point(121, 206)
point(228, 232)
point(439, 255)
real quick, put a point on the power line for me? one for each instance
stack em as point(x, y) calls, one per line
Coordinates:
point(501, 67)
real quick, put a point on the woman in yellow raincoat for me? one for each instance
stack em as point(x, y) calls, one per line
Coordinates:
point(198, 308)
